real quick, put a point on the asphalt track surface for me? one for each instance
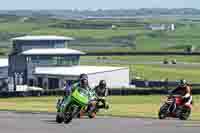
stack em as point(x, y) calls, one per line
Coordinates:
point(45, 123)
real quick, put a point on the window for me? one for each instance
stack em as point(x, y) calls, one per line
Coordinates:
point(59, 45)
point(74, 60)
point(55, 60)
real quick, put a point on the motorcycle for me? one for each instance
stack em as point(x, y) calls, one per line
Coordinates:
point(94, 106)
point(175, 107)
point(80, 100)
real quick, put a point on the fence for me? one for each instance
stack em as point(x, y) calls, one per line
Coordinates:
point(157, 53)
point(114, 92)
point(150, 84)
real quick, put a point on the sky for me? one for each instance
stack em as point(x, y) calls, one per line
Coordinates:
point(97, 4)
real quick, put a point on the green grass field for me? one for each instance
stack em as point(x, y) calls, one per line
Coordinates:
point(125, 106)
point(161, 72)
point(186, 33)
point(195, 59)
point(153, 72)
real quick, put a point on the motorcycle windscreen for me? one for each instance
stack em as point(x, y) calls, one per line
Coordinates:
point(80, 96)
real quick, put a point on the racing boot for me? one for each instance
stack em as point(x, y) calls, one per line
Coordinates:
point(107, 106)
point(93, 115)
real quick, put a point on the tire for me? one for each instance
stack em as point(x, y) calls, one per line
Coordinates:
point(185, 113)
point(92, 112)
point(163, 112)
point(92, 115)
point(68, 116)
point(78, 116)
point(59, 119)
point(161, 115)
point(68, 119)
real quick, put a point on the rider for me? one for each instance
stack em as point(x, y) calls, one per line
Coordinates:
point(83, 84)
point(102, 92)
point(185, 90)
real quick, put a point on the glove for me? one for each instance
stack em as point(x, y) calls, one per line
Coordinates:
point(186, 95)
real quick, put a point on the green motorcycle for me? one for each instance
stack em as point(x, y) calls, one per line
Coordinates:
point(80, 99)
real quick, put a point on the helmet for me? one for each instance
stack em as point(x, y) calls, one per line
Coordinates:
point(83, 76)
point(182, 82)
point(83, 79)
point(102, 84)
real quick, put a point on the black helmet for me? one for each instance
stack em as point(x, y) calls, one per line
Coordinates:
point(102, 84)
point(83, 76)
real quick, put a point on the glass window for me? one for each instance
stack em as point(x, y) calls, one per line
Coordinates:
point(74, 60)
point(55, 60)
point(59, 45)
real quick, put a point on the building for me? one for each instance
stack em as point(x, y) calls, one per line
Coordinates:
point(3, 74)
point(17, 69)
point(46, 62)
point(56, 77)
point(160, 27)
point(3, 68)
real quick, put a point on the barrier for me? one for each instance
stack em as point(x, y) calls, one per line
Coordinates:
point(156, 53)
point(150, 84)
point(114, 92)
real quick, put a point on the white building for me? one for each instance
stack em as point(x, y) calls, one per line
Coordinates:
point(51, 67)
point(160, 27)
point(43, 72)
point(3, 74)
point(3, 68)
point(114, 76)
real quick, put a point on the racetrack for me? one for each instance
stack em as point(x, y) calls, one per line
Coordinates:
point(45, 123)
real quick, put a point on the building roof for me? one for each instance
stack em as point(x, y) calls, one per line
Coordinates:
point(74, 70)
point(49, 37)
point(3, 62)
point(52, 51)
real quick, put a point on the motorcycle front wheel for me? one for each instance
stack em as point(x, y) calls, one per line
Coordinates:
point(163, 111)
point(59, 119)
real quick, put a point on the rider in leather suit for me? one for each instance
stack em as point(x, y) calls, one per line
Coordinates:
point(185, 90)
point(102, 92)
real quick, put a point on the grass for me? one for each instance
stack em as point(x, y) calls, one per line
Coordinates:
point(81, 33)
point(126, 106)
point(144, 106)
point(146, 58)
point(153, 72)
point(186, 33)
point(172, 72)
point(17, 27)
point(146, 40)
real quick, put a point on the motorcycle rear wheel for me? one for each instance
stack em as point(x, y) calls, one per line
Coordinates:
point(67, 118)
point(185, 113)
point(92, 115)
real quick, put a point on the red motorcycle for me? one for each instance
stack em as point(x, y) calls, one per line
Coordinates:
point(175, 107)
